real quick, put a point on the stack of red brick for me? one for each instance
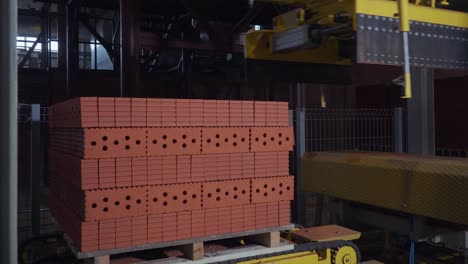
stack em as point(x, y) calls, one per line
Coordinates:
point(126, 172)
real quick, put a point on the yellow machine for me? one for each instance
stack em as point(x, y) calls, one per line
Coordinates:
point(317, 245)
point(317, 31)
point(416, 33)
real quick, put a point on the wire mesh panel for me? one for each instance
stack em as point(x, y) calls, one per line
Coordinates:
point(349, 129)
point(25, 171)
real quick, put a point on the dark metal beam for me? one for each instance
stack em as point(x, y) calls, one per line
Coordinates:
point(247, 19)
point(72, 16)
point(129, 64)
point(45, 30)
point(107, 46)
point(8, 133)
point(199, 18)
point(62, 36)
point(421, 131)
point(151, 41)
point(30, 51)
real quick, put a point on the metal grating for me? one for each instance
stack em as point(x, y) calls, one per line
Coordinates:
point(329, 130)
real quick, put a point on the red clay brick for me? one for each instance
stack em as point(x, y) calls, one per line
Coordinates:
point(155, 173)
point(112, 203)
point(174, 141)
point(271, 139)
point(153, 112)
point(174, 198)
point(225, 140)
point(114, 142)
point(169, 113)
point(123, 170)
point(272, 189)
point(123, 108)
point(226, 193)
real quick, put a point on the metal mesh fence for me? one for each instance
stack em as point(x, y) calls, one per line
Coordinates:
point(25, 186)
point(349, 130)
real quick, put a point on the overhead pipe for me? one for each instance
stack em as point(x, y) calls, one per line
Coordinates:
point(8, 133)
point(405, 28)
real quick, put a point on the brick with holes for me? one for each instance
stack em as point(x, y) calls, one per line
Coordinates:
point(174, 197)
point(225, 140)
point(226, 193)
point(114, 142)
point(264, 139)
point(174, 141)
point(112, 203)
point(272, 189)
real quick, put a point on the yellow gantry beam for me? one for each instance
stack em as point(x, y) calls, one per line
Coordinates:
point(419, 13)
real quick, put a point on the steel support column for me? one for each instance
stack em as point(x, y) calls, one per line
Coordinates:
point(300, 150)
point(421, 139)
point(129, 64)
point(398, 138)
point(62, 36)
point(73, 56)
point(8, 133)
point(35, 167)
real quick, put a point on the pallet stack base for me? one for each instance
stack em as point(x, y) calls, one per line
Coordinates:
point(129, 172)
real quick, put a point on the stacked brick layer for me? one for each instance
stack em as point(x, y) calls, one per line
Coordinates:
point(132, 171)
point(95, 112)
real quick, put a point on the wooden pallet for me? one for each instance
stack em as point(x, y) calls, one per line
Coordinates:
point(268, 240)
